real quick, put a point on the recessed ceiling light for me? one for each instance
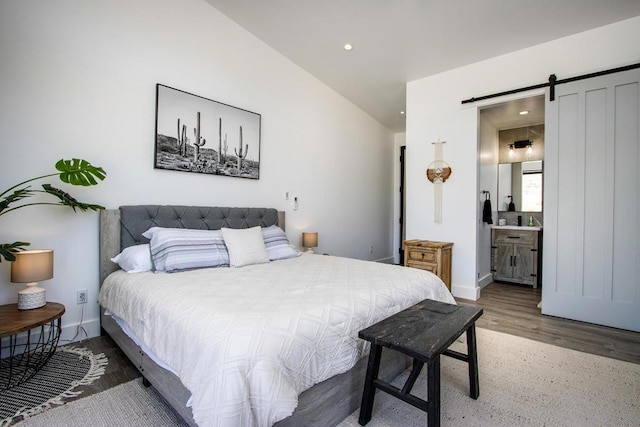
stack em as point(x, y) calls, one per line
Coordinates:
point(348, 46)
point(524, 112)
point(401, 112)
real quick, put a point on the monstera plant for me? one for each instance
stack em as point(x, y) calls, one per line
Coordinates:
point(74, 172)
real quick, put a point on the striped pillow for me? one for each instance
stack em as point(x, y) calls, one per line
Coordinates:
point(278, 246)
point(175, 249)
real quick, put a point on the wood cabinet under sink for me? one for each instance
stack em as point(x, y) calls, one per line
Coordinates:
point(515, 255)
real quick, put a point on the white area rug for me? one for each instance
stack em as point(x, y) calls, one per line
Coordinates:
point(129, 404)
point(522, 382)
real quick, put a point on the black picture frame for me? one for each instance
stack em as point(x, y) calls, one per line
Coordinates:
point(197, 134)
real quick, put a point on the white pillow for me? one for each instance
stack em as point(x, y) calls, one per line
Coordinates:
point(245, 246)
point(277, 244)
point(134, 259)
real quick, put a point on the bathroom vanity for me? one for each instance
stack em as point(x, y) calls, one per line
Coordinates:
point(515, 254)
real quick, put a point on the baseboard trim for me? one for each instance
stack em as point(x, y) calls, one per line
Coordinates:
point(72, 333)
point(484, 281)
point(465, 292)
point(68, 335)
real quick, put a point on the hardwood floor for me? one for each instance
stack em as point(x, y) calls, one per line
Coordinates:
point(119, 370)
point(513, 309)
point(508, 308)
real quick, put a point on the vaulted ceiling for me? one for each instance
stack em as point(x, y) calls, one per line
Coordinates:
point(396, 41)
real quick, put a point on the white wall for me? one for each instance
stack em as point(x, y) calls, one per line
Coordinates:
point(487, 181)
point(78, 80)
point(434, 111)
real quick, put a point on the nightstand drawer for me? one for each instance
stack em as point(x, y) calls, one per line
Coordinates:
point(432, 267)
point(422, 255)
point(430, 256)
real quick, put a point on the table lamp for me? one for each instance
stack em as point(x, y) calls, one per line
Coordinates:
point(310, 240)
point(30, 267)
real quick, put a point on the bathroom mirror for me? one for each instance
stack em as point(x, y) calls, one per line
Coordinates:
point(523, 182)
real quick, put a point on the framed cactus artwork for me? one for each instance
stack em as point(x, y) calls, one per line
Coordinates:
point(196, 134)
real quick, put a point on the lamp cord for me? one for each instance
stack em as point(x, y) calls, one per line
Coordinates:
point(80, 330)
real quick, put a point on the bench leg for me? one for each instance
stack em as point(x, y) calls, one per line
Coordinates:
point(433, 392)
point(369, 392)
point(415, 372)
point(474, 383)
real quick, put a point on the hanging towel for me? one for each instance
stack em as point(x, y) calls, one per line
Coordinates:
point(486, 212)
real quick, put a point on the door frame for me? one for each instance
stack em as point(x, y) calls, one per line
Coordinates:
point(398, 232)
point(402, 204)
point(481, 282)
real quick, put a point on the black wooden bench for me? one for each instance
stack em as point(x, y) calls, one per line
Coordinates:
point(423, 332)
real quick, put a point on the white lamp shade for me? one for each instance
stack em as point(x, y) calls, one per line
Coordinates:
point(310, 240)
point(32, 266)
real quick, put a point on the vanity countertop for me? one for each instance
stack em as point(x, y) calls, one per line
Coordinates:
point(516, 227)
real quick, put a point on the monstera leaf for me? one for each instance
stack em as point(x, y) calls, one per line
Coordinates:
point(74, 172)
point(79, 172)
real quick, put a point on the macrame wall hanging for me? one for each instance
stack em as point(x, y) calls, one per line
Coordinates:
point(438, 172)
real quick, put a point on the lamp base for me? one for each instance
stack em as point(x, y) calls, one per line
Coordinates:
point(309, 251)
point(31, 297)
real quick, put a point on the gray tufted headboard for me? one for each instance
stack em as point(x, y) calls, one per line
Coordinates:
point(121, 228)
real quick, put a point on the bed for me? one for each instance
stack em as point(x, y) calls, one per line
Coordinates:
point(268, 343)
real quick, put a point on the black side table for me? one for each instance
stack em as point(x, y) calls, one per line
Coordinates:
point(24, 355)
point(423, 332)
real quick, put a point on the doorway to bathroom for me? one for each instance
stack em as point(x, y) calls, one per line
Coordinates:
point(510, 176)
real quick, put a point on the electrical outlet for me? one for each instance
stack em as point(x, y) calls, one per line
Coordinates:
point(286, 195)
point(81, 296)
point(370, 249)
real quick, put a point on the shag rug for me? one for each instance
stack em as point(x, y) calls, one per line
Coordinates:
point(67, 369)
point(522, 383)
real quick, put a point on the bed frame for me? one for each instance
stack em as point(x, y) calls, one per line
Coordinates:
point(325, 404)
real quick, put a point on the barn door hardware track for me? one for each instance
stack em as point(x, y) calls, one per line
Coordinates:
point(552, 83)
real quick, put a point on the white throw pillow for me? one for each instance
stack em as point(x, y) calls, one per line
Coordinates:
point(134, 259)
point(245, 246)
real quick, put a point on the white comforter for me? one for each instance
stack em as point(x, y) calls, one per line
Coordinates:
point(246, 341)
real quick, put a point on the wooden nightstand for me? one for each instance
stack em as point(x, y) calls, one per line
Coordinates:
point(29, 353)
point(431, 256)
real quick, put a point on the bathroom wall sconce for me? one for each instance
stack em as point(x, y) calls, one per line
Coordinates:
point(310, 240)
point(524, 143)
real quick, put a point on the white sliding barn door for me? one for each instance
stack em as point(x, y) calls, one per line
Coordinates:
point(591, 246)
